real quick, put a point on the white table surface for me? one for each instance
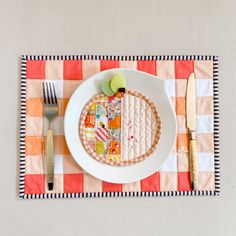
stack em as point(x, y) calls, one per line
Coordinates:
point(116, 27)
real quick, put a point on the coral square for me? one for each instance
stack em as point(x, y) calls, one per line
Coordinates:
point(108, 64)
point(109, 187)
point(151, 183)
point(35, 69)
point(34, 184)
point(147, 66)
point(183, 69)
point(73, 70)
point(184, 181)
point(73, 183)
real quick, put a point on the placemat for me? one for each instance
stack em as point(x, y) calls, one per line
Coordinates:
point(67, 73)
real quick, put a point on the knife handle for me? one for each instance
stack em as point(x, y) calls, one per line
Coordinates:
point(193, 164)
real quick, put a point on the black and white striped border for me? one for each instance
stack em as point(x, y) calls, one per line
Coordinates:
point(22, 127)
point(118, 194)
point(216, 125)
point(118, 57)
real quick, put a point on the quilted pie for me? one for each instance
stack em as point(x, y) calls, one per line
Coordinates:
point(122, 129)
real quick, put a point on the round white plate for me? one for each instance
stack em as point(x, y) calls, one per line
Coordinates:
point(151, 86)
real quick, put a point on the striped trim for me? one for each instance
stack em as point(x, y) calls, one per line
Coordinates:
point(118, 194)
point(22, 127)
point(216, 125)
point(121, 58)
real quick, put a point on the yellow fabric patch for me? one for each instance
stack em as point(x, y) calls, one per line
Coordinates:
point(100, 147)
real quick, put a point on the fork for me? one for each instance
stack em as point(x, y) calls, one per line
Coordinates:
point(50, 112)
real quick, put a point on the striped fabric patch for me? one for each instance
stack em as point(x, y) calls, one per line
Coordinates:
point(101, 134)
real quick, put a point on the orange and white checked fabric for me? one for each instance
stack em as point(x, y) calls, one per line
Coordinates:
point(67, 73)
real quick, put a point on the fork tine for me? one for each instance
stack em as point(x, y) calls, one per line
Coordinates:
point(48, 94)
point(51, 93)
point(44, 94)
point(54, 93)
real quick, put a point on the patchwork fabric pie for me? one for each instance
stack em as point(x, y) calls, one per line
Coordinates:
point(120, 130)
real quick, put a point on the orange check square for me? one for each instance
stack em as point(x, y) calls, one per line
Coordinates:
point(183, 142)
point(180, 106)
point(34, 145)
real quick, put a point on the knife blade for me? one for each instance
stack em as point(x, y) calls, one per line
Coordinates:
point(191, 104)
point(191, 125)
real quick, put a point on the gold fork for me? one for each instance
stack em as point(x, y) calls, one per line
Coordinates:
point(50, 112)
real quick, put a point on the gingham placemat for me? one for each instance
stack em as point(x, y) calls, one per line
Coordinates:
point(67, 73)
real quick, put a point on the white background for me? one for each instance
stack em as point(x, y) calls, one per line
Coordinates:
point(116, 27)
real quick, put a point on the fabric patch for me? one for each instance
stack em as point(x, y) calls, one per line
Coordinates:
point(101, 110)
point(101, 147)
point(114, 157)
point(102, 122)
point(89, 134)
point(90, 121)
point(114, 147)
point(114, 123)
point(114, 108)
point(101, 134)
point(114, 134)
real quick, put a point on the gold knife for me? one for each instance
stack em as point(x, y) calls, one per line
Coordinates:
point(191, 125)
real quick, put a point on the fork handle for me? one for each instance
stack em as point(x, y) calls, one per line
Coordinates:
point(49, 159)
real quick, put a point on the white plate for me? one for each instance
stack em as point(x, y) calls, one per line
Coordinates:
point(151, 86)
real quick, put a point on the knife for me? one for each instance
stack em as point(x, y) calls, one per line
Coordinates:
point(191, 125)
